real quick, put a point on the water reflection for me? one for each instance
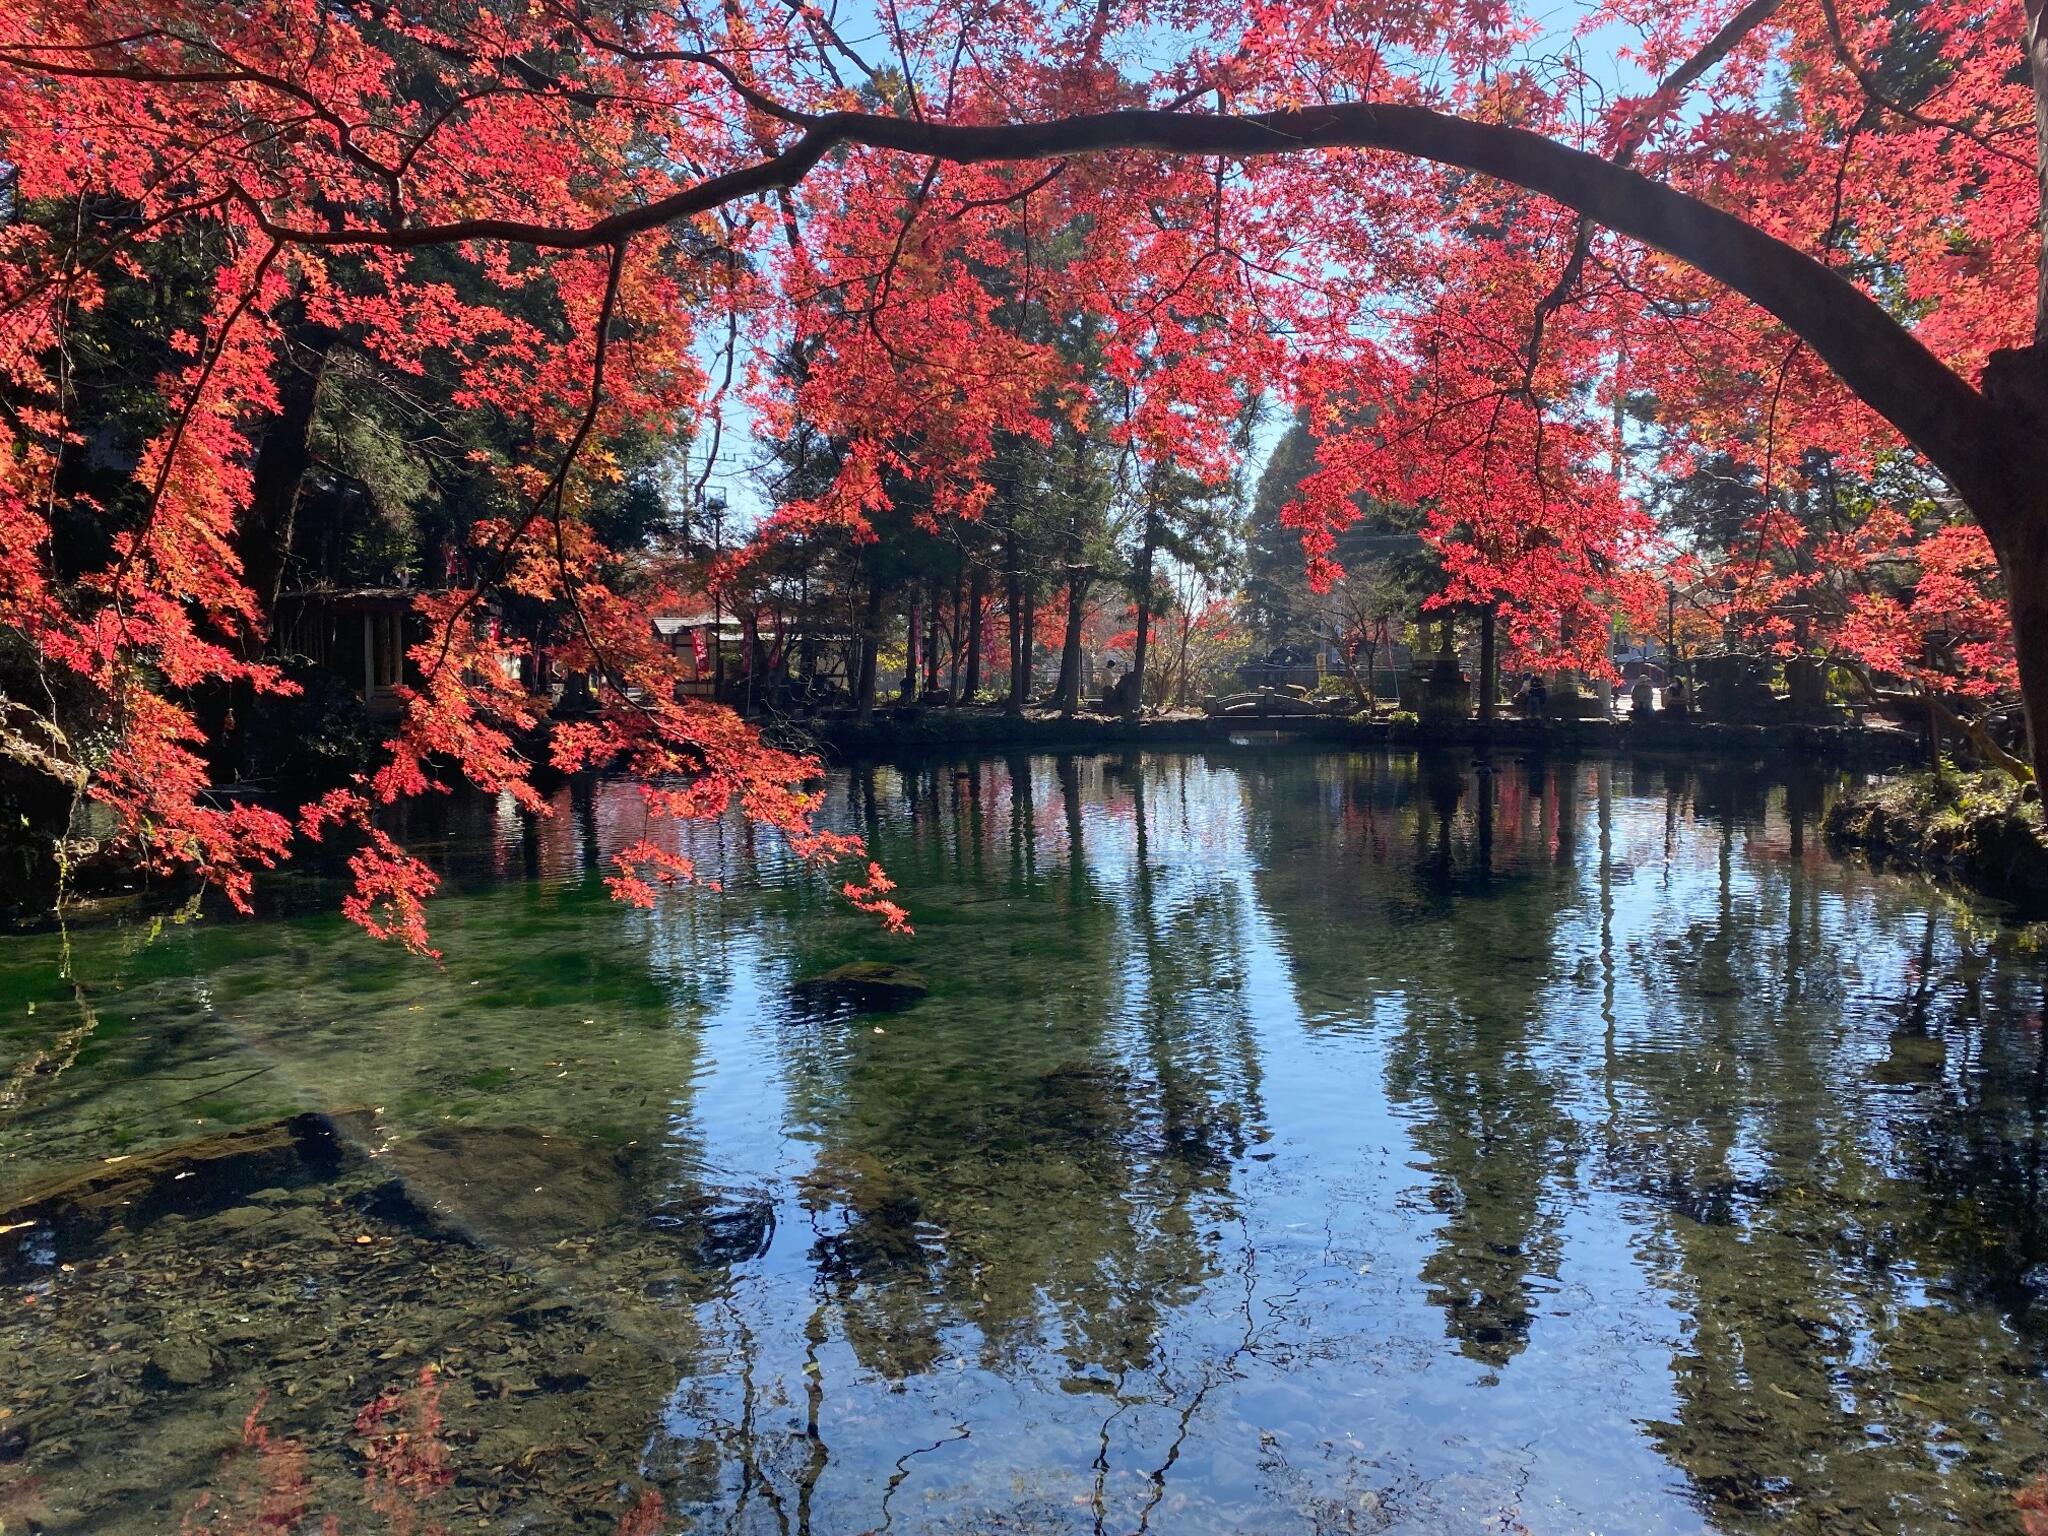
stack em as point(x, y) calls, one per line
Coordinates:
point(1282, 1142)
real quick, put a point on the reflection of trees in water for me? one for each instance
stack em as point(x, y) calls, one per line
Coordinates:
point(1814, 1106)
point(1483, 1110)
point(1846, 1213)
point(1186, 993)
point(1191, 1038)
point(1039, 1177)
point(1497, 1148)
point(1849, 1213)
point(1439, 889)
point(1037, 1181)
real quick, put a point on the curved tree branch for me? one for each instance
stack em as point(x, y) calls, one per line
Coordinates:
point(1935, 409)
point(1634, 130)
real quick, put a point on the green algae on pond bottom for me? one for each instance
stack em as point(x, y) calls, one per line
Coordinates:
point(1290, 1142)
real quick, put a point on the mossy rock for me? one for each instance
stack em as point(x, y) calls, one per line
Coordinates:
point(863, 986)
point(1982, 830)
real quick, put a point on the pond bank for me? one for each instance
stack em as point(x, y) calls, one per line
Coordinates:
point(1972, 828)
point(929, 729)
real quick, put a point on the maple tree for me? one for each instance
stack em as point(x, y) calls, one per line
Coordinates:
point(1459, 243)
point(1878, 575)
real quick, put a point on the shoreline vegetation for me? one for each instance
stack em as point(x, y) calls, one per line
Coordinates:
point(1980, 830)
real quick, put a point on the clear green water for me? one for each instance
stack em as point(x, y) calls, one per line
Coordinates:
point(1285, 1143)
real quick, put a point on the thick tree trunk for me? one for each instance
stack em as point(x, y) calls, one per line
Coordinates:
point(807, 644)
point(977, 601)
point(2024, 556)
point(2036, 13)
point(955, 639)
point(2016, 386)
point(267, 529)
point(1184, 639)
point(913, 655)
point(1013, 598)
point(1067, 692)
point(282, 459)
point(2015, 518)
point(1027, 650)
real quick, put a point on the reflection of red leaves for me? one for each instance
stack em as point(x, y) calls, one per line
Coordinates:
point(645, 1517)
point(405, 1456)
point(266, 1489)
point(263, 1488)
point(21, 1502)
point(2032, 1504)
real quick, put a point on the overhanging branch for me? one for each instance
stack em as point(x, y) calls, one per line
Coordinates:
point(1935, 409)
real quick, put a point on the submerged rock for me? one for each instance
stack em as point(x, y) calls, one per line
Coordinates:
point(187, 1178)
point(880, 1211)
point(1082, 1100)
point(180, 1363)
point(507, 1184)
point(262, 1185)
point(863, 986)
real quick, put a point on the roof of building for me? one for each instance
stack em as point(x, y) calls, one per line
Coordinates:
point(669, 625)
point(406, 595)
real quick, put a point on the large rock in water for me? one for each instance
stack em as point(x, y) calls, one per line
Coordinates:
point(180, 1362)
point(187, 1178)
point(489, 1185)
point(506, 1185)
point(864, 986)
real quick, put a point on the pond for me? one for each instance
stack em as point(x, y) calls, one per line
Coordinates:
point(1264, 1142)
